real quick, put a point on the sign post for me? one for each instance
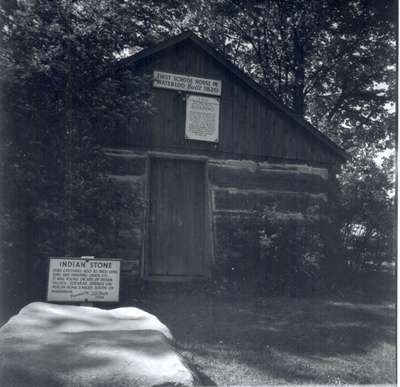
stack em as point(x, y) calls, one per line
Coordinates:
point(83, 279)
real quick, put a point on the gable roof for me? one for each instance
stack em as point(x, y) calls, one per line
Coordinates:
point(190, 36)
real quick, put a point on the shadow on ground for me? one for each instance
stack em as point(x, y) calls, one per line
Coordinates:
point(247, 339)
point(238, 338)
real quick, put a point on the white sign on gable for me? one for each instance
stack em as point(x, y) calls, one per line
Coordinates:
point(83, 280)
point(186, 83)
point(202, 118)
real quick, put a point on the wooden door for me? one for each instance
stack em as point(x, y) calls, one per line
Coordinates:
point(177, 240)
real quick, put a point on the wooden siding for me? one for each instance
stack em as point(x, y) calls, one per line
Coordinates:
point(177, 218)
point(243, 191)
point(250, 127)
point(239, 191)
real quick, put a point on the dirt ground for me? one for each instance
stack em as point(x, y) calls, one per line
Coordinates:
point(252, 340)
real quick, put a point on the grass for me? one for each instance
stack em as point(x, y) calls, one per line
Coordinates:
point(238, 338)
point(242, 339)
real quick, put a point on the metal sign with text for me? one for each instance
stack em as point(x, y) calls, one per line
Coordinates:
point(202, 118)
point(186, 83)
point(85, 279)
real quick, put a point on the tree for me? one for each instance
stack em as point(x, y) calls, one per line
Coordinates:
point(56, 88)
point(332, 62)
point(351, 100)
point(367, 211)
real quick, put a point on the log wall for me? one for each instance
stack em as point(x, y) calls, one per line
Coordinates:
point(128, 171)
point(239, 192)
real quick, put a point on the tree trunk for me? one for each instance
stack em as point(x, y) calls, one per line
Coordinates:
point(299, 76)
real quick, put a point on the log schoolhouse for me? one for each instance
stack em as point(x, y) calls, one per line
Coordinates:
point(217, 150)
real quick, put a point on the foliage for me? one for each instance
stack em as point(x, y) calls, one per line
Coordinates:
point(273, 40)
point(293, 251)
point(57, 86)
point(237, 249)
point(332, 62)
point(367, 213)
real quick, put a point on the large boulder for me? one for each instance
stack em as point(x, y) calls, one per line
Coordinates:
point(63, 345)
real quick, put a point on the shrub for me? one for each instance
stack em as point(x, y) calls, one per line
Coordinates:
point(292, 250)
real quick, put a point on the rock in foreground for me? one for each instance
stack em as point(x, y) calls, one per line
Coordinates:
point(64, 345)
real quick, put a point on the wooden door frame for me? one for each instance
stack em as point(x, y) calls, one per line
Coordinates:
point(208, 240)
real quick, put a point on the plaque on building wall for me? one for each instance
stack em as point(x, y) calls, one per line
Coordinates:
point(186, 83)
point(202, 118)
point(83, 280)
